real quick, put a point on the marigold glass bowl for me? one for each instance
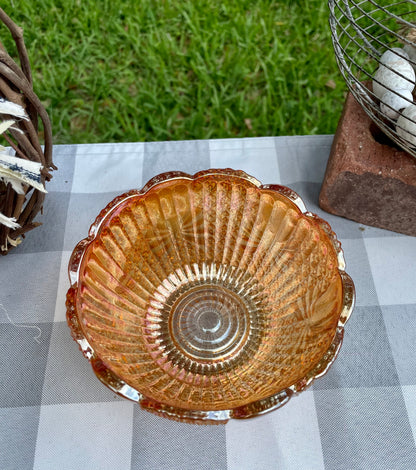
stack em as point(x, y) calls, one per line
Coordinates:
point(209, 297)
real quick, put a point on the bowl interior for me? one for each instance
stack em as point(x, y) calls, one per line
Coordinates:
point(209, 293)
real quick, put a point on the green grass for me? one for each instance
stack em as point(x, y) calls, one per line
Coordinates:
point(135, 70)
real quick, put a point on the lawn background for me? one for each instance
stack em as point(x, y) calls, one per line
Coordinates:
point(147, 70)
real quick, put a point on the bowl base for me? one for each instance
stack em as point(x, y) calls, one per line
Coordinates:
point(213, 319)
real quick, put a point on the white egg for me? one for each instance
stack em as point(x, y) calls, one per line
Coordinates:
point(392, 55)
point(406, 125)
point(411, 52)
point(386, 79)
point(395, 100)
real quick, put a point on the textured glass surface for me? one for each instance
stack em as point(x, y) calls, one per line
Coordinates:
point(210, 296)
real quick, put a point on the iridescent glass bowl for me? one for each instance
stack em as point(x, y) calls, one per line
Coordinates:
point(209, 297)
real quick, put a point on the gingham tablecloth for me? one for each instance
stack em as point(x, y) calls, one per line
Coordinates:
point(55, 414)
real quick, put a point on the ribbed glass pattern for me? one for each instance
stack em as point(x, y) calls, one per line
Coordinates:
point(208, 293)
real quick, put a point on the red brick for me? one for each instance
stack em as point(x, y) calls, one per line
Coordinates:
point(368, 178)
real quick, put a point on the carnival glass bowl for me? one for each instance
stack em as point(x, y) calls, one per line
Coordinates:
point(209, 297)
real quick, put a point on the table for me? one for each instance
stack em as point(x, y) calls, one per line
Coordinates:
point(55, 414)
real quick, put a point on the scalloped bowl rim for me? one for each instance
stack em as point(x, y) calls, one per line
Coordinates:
point(255, 408)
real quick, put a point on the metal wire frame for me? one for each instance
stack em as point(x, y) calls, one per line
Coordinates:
point(361, 32)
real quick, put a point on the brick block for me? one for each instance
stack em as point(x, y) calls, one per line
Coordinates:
point(368, 178)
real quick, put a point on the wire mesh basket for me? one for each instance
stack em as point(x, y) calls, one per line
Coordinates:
point(375, 47)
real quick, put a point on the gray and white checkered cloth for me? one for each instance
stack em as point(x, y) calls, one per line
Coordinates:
point(55, 414)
